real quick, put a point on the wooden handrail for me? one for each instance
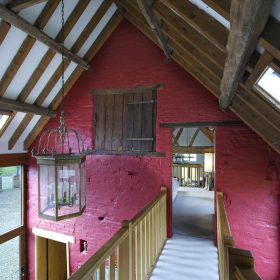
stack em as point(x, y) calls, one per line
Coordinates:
point(137, 245)
point(234, 263)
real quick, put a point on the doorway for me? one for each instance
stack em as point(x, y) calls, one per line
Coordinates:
point(52, 255)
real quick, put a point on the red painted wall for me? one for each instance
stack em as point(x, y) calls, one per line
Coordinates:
point(127, 59)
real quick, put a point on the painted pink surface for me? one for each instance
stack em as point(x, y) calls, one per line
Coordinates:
point(118, 187)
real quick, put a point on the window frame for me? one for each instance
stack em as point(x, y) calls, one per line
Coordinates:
point(8, 160)
point(262, 92)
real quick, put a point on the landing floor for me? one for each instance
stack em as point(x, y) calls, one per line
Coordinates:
point(190, 254)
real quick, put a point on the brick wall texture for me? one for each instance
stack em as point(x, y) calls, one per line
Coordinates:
point(118, 187)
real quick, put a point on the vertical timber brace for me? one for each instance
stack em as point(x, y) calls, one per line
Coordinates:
point(146, 9)
point(247, 21)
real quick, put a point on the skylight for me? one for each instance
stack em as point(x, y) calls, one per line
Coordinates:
point(269, 82)
point(3, 119)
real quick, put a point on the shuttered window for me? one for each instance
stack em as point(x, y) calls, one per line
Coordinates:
point(125, 119)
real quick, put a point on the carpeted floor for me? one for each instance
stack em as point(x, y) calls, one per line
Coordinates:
point(190, 254)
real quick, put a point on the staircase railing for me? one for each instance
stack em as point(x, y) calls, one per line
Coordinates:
point(131, 253)
point(189, 175)
point(234, 263)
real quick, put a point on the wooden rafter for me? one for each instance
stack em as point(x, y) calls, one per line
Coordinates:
point(208, 133)
point(4, 29)
point(33, 31)
point(17, 5)
point(26, 46)
point(103, 36)
point(176, 138)
point(17, 106)
point(193, 150)
point(57, 74)
point(148, 13)
point(247, 21)
point(200, 21)
point(193, 138)
point(220, 6)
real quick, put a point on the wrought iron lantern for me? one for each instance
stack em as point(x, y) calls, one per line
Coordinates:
point(61, 168)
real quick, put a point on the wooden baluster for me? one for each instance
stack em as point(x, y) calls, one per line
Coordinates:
point(112, 266)
point(137, 253)
point(102, 271)
point(123, 259)
point(148, 241)
point(146, 249)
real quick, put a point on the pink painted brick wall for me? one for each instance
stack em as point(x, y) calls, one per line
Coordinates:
point(127, 59)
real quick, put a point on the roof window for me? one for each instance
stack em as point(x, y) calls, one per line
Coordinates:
point(269, 84)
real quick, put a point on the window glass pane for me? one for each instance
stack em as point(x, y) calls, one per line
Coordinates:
point(3, 119)
point(9, 260)
point(270, 83)
point(10, 198)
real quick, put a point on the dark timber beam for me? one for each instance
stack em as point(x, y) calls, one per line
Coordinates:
point(193, 150)
point(17, 5)
point(146, 9)
point(247, 21)
point(16, 106)
point(36, 33)
point(176, 139)
point(208, 133)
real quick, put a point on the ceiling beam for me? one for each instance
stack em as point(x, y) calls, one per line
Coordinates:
point(208, 133)
point(193, 150)
point(247, 21)
point(17, 5)
point(33, 31)
point(193, 138)
point(4, 29)
point(17, 106)
point(148, 13)
point(176, 139)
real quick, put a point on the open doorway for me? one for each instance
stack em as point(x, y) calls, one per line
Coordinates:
point(193, 172)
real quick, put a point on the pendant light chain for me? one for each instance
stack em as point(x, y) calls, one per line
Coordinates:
point(62, 55)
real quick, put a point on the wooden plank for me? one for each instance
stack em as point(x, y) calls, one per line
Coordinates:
point(137, 123)
point(127, 122)
point(6, 236)
point(247, 21)
point(222, 7)
point(109, 106)
point(200, 44)
point(17, 106)
point(193, 150)
point(103, 36)
point(4, 29)
point(202, 124)
point(147, 121)
point(14, 138)
point(41, 258)
point(117, 135)
point(33, 31)
point(270, 37)
point(112, 266)
point(102, 271)
point(99, 117)
point(124, 259)
point(200, 21)
point(146, 9)
point(18, 5)
point(126, 153)
point(26, 46)
point(135, 89)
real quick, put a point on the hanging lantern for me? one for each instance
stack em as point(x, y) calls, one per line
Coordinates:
point(61, 168)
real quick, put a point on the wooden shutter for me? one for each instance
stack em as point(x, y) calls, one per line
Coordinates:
point(125, 120)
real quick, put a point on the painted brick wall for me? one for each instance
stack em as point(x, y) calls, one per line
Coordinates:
point(127, 59)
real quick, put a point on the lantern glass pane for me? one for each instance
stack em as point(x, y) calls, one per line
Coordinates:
point(68, 180)
point(83, 185)
point(47, 190)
